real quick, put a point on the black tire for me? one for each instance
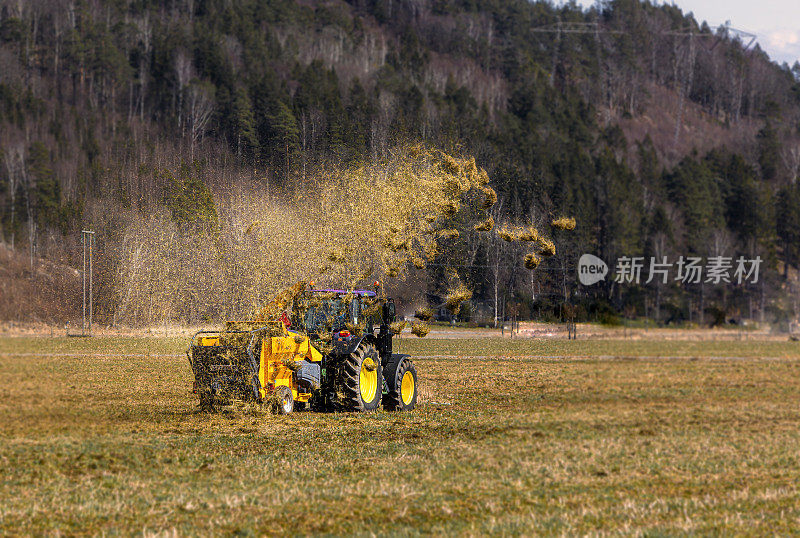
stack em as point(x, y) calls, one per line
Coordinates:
point(284, 401)
point(360, 388)
point(395, 373)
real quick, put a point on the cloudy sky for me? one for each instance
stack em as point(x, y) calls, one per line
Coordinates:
point(776, 23)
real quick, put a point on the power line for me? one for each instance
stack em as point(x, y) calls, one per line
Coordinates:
point(474, 266)
point(595, 28)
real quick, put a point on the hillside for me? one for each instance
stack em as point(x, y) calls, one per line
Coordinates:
point(42, 292)
point(661, 136)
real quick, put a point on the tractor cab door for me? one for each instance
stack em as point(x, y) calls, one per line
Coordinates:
point(355, 310)
point(385, 336)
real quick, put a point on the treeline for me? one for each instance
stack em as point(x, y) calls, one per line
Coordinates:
point(660, 135)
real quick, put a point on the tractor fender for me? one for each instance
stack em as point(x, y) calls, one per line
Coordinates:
point(390, 369)
point(394, 383)
point(393, 361)
point(349, 345)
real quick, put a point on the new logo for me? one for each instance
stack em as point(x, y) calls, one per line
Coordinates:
point(591, 269)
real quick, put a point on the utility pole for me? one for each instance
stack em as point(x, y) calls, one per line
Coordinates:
point(87, 237)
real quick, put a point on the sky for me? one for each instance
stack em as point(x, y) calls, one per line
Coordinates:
point(776, 23)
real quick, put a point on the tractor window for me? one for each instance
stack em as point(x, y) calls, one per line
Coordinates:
point(376, 318)
point(355, 311)
point(322, 318)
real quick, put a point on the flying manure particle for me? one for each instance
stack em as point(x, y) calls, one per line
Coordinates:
point(397, 327)
point(448, 233)
point(355, 329)
point(564, 223)
point(506, 234)
point(430, 250)
point(449, 208)
point(336, 255)
point(455, 296)
point(424, 313)
point(546, 247)
point(532, 261)
point(450, 165)
point(528, 234)
point(371, 307)
point(395, 244)
point(253, 227)
point(420, 329)
point(489, 196)
point(485, 226)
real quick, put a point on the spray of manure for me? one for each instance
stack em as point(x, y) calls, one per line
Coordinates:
point(343, 227)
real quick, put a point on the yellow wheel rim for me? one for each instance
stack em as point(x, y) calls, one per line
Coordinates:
point(368, 380)
point(407, 387)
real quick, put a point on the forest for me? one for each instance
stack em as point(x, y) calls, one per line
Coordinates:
point(661, 136)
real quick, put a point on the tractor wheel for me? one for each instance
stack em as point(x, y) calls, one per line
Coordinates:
point(362, 379)
point(401, 382)
point(284, 400)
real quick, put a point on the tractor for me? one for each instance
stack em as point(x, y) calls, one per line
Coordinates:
point(333, 353)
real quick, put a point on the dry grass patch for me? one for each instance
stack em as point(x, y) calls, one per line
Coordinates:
point(516, 445)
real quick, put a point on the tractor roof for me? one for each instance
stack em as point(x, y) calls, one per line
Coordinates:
point(362, 293)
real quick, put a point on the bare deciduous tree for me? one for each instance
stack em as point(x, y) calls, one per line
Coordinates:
point(146, 36)
point(14, 159)
point(790, 154)
point(183, 74)
point(201, 108)
point(684, 78)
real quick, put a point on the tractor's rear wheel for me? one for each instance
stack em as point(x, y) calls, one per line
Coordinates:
point(362, 379)
point(401, 384)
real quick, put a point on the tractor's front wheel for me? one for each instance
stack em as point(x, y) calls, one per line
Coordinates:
point(362, 379)
point(284, 401)
point(401, 384)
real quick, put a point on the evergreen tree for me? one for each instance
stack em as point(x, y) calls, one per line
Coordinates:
point(285, 137)
point(769, 151)
point(46, 190)
point(693, 188)
point(787, 218)
point(245, 125)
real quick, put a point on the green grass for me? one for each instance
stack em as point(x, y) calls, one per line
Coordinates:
point(104, 442)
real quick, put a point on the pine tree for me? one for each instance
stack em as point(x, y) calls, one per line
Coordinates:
point(693, 188)
point(46, 190)
point(769, 151)
point(285, 136)
point(787, 214)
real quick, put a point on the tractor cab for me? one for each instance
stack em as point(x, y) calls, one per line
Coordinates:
point(332, 308)
point(346, 315)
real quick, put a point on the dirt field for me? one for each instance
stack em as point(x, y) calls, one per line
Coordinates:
point(102, 435)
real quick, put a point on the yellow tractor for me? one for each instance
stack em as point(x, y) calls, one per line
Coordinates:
point(281, 362)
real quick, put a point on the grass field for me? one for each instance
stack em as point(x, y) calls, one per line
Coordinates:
point(526, 437)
